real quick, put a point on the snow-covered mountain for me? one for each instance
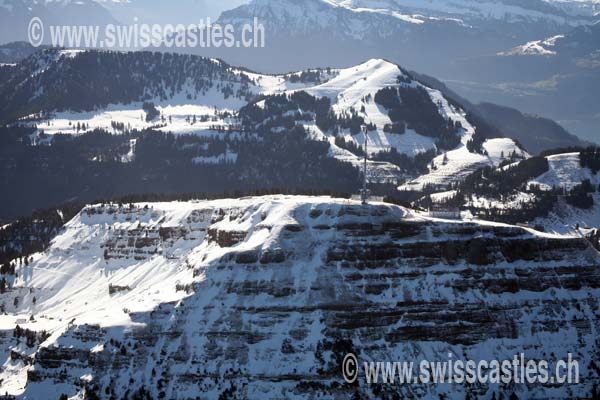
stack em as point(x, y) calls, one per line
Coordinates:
point(161, 12)
point(555, 75)
point(455, 41)
point(263, 297)
point(580, 43)
point(356, 89)
point(473, 10)
point(321, 13)
point(411, 25)
point(416, 135)
point(228, 128)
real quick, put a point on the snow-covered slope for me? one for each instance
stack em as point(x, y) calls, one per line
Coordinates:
point(580, 43)
point(536, 47)
point(566, 173)
point(455, 165)
point(422, 35)
point(554, 201)
point(250, 295)
point(204, 97)
point(354, 89)
point(225, 92)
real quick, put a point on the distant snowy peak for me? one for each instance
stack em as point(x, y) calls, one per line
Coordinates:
point(307, 17)
point(498, 9)
point(536, 47)
point(582, 41)
point(359, 18)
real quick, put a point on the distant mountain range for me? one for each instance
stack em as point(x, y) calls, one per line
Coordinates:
point(232, 127)
point(14, 52)
point(557, 77)
point(468, 44)
point(422, 33)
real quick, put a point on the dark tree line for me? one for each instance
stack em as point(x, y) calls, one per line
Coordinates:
point(580, 196)
point(590, 158)
point(483, 132)
point(31, 337)
point(310, 76)
point(151, 111)
point(413, 108)
point(411, 164)
point(349, 145)
point(501, 183)
point(90, 166)
point(96, 79)
point(31, 234)
point(492, 182)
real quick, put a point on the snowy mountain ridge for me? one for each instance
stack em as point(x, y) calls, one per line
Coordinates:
point(359, 18)
point(271, 291)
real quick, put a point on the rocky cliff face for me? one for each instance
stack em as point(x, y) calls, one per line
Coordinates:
point(263, 297)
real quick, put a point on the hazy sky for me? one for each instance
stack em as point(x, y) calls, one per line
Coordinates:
point(219, 6)
point(215, 7)
point(168, 11)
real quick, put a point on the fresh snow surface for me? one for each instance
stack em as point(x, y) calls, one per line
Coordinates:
point(565, 172)
point(134, 117)
point(460, 162)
